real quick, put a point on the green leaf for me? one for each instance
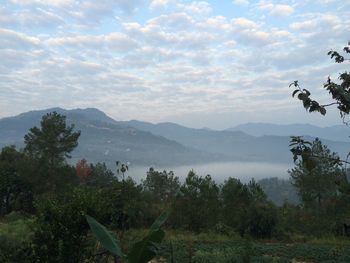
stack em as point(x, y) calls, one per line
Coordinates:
point(302, 96)
point(159, 221)
point(309, 163)
point(107, 240)
point(307, 92)
point(295, 92)
point(294, 83)
point(146, 249)
point(322, 110)
point(307, 103)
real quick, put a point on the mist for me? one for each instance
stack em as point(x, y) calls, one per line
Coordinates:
point(220, 171)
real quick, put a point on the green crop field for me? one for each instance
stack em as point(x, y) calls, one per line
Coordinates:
point(242, 251)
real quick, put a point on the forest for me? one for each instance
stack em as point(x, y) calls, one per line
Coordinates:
point(52, 211)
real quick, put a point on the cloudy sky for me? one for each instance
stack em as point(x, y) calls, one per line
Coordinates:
point(199, 63)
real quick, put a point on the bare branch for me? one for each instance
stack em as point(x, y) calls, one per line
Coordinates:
point(330, 104)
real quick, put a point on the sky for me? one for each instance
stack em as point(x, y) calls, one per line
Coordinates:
point(210, 64)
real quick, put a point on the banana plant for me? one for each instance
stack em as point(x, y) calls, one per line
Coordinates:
point(141, 252)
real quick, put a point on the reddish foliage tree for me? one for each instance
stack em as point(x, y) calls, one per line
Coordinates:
point(83, 171)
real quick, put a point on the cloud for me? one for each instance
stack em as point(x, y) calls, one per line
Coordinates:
point(247, 32)
point(244, 23)
point(276, 10)
point(321, 25)
point(126, 5)
point(14, 59)
point(85, 12)
point(305, 25)
point(241, 2)
point(282, 10)
point(16, 40)
point(151, 64)
point(57, 3)
point(175, 31)
point(200, 7)
point(71, 67)
point(160, 3)
point(115, 41)
point(174, 20)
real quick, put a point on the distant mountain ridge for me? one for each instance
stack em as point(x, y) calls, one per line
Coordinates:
point(13, 127)
point(104, 139)
point(335, 133)
point(235, 145)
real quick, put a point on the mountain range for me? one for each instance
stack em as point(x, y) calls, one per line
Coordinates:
point(334, 133)
point(104, 139)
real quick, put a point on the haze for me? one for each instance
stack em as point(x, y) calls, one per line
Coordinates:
point(221, 171)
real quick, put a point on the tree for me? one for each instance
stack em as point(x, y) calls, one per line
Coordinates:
point(60, 233)
point(261, 219)
point(53, 141)
point(279, 191)
point(340, 94)
point(121, 168)
point(48, 147)
point(163, 186)
point(235, 198)
point(257, 194)
point(246, 209)
point(159, 191)
point(14, 192)
point(308, 159)
point(101, 176)
point(83, 171)
point(318, 183)
point(197, 205)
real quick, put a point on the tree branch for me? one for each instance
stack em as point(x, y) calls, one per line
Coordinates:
point(330, 158)
point(330, 104)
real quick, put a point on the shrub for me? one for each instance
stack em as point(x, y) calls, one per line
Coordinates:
point(15, 239)
point(261, 220)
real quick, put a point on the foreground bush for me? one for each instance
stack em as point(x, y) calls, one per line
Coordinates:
point(15, 239)
point(61, 233)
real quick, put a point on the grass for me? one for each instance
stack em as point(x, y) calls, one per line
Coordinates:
point(183, 246)
point(16, 232)
point(207, 247)
point(16, 227)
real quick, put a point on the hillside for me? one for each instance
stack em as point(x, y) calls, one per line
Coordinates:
point(335, 133)
point(165, 144)
point(104, 140)
point(236, 145)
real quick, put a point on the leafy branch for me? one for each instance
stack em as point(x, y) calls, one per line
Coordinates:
point(141, 252)
point(340, 92)
point(302, 150)
point(308, 103)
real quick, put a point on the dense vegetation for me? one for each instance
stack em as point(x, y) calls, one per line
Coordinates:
point(44, 203)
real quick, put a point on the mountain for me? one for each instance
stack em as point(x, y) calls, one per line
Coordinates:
point(335, 133)
point(235, 145)
point(104, 140)
point(12, 129)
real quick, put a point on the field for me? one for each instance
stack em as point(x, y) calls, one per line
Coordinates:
point(207, 248)
point(183, 247)
point(236, 251)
